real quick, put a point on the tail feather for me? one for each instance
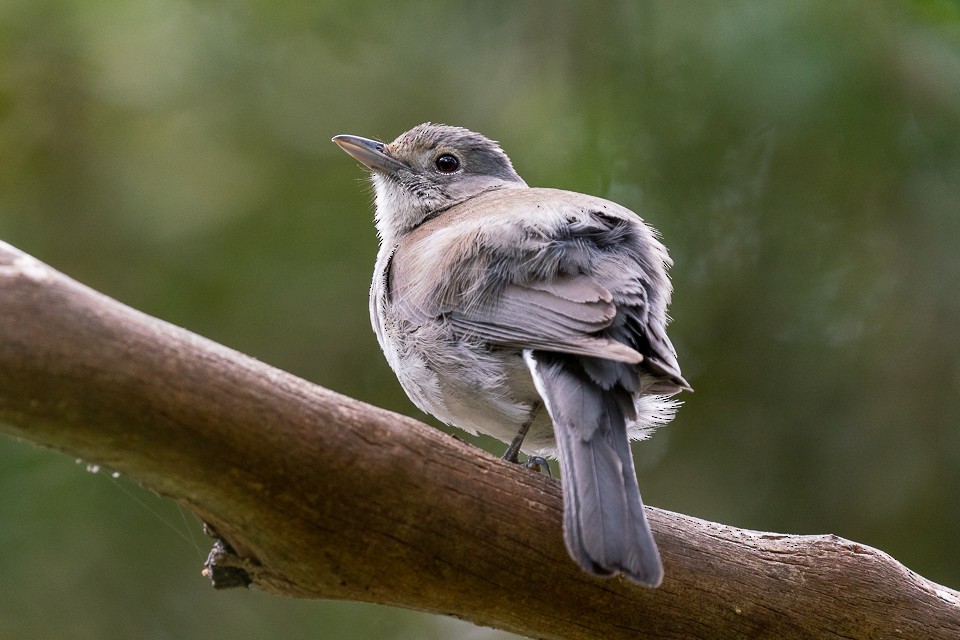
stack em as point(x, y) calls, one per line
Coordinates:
point(605, 527)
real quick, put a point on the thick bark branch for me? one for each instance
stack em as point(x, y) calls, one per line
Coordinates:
point(322, 496)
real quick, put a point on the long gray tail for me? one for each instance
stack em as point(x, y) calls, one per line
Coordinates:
point(605, 528)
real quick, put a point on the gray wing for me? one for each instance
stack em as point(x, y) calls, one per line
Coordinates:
point(578, 275)
point(565, 314)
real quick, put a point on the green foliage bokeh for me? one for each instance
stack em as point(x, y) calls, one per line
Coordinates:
point(802, 161)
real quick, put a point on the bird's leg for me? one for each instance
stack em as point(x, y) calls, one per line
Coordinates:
point(512, 453)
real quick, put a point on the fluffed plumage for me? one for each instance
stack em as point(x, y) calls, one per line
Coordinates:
point(501, 306)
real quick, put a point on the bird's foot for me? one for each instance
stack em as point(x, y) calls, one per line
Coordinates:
point(538, 464)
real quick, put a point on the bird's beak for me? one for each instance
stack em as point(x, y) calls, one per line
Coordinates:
point(370, 152)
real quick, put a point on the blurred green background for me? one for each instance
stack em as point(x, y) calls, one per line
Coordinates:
point(802, 161)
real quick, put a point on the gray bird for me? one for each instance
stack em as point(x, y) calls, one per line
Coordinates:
point(536, 316)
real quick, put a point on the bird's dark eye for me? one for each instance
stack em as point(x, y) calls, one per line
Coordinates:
point(447, 163)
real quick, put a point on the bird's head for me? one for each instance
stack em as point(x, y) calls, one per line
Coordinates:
point(427, 170)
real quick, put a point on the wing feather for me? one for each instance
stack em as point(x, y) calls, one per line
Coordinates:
point(581, 276)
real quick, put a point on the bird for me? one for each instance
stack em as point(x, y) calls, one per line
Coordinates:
point(537, 316)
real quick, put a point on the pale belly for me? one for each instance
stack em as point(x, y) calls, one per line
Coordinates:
point(469, 386)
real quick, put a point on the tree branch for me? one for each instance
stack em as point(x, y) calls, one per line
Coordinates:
point(322, 496)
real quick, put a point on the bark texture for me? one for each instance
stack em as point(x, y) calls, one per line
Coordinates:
point(317, 495)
